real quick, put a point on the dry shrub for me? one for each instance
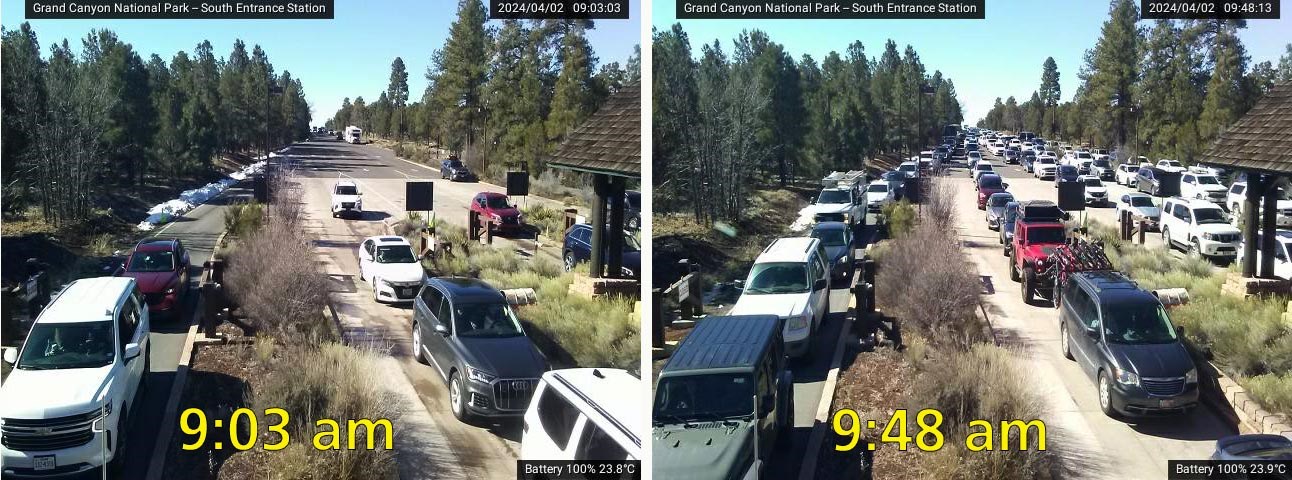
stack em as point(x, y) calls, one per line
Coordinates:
point(940, 205)
point(334, 382)
point(984, 383)
point(925, 280)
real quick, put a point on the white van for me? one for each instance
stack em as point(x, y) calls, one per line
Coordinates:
point(65, 405)
point(790, 279)
point(584, 414)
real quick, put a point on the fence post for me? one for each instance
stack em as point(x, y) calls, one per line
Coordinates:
point(1143, 226)
point(657, 318)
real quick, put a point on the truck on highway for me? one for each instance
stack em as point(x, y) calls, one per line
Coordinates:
point(353, 134)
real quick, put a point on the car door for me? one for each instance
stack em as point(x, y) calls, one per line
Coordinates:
point(819, 298)
point(127, 333)
point(424, 310)
point(1084, 316)
point(366, 250)
point(551, 426)
point(438, 343)
point(583, 244)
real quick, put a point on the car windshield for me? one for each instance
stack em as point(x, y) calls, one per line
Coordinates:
point(989, 181)
point(834, 237)
point(1138, 324)
point(833, 196)
point(1000, 200)
point(710, 397)
point(1207, 180)
point(1094, 182)
point(878, 188)
point(498, 202)
point(906, 167)
point(1101, 163)
point(161, 261)
point(454, 164)
point(346, 190)
point(68, 345)
point(1209, 215)
point(781, 277)
point(1141, 202)
point(1045, 235)
point(1170, 163)
point(1067, 170)
point(492, 320)
point(395, 254)
point(892, 176)
point(983, 167)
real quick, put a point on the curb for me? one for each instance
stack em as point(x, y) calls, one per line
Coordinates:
point(158, 461)
point(813, 450)
point(1248, 411)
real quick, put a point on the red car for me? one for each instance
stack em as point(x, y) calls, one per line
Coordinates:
point(988, 184)
point(160, 266)
point(496, 207)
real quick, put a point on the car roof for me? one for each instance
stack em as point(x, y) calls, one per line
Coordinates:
point(349, 183)
point(879, 182)
point(728, 342)
point(795, 249)
point(87, 300)
point(1114, 287)
point(155, 244)
point(463, 288)
point(609, 395)
point(388, 240)
point(1192, 203)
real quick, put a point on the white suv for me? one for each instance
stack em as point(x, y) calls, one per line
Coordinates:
point(391, 268)
point(1199, 226)
point(1237, 198)
point(584, 414)
point(65, 406)
point(346, 198)
point(1203, 186)
point(790, 279)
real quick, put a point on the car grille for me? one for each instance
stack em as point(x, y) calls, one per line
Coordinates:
point(347, 205)
point(510, 220)
point(1287, 212)
point(1097, 194)
point(48, 434)
point(1163, 387)
point(875, 207)
point(514, 394)
point(1225, 237)
point(154, 298)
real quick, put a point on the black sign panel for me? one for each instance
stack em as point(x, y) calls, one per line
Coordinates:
point(1072, 196)
point(518, 183)
point(418, 196)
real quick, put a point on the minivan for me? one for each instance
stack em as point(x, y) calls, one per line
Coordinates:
point(1123, 340)
point(724, 402)
point(66, 406)
point(584, 414)
point(791, 280)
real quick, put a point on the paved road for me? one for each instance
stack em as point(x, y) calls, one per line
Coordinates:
point(484, 450)
point(1101, 446)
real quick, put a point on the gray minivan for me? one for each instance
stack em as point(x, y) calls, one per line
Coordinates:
point(724, 401)
point(1122, 338)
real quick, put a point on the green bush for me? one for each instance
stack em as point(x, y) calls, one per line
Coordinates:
point(243, 218)
point(900, 217)
point(549, 221)
point(1275, 389)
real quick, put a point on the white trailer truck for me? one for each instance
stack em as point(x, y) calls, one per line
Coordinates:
point(353, 134)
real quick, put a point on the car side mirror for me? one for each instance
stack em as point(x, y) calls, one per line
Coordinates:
point(441, 329)
point(1093, 332)
point(11, 356)
point(820, 284)
point(132, 351)
point(1004, 185)
point(1179, 330)
point(765, 406)
point(1067, 216)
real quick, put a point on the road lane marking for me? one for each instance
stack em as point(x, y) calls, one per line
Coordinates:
point(162, 444)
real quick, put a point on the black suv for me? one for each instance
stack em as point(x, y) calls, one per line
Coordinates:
point(454, 170)
point(726, 385)
point(470, 335)
point(1121, 337)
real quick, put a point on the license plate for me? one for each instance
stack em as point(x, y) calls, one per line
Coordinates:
point(1166, 402)
point(44, 462)
point(408, 291)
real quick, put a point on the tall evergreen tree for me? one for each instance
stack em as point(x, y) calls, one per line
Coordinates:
point(397, 93)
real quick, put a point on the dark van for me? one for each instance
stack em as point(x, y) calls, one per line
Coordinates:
point(724, 401)
point(1121, 337)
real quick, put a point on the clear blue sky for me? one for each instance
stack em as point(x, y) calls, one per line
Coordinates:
point(347, 56)
point(998, 56)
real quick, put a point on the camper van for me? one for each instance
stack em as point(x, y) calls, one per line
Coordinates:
point(353, 135)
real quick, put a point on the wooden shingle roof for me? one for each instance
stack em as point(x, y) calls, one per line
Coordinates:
point(609, 142)
point(1261, 139)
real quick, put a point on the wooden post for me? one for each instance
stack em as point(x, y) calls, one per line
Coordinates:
point(615, 242)
point(1268, 224)
point(473, 222)
point(657, 318)
point(1255, 188)
point(601, 188)
point(1143, 227)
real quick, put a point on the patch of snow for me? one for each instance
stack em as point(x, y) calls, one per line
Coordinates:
point(166, 212)
point(807, 218)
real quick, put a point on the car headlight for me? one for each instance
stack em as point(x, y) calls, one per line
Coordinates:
point(170, 290)
point(106, 410)
point(496, 217)
point(1126, 377)
point(798, 322)
point(1206, 236)
point(476, 375)
point(1192, 376)
point(388, 283)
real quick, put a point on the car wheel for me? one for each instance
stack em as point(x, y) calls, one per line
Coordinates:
point(785, 438)
point(1195, 250)
point(375, 297)
point(122, 442)
point(1166, 238)
point(457, 398)
point(1029, 285)
point(1106, 395)
point(1013, 270)
point(418, 354)
point(1065, 343)
point(569, 261)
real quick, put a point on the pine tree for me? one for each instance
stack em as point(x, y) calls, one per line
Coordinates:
point(397, 93)
point(462, 74)
point(572, 97)
point(24, 104)
point(1225, 101)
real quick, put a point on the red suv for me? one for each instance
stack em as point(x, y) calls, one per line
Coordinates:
point(160, 267)
point(988, 184)
point(494, 206)
point(1038, 232)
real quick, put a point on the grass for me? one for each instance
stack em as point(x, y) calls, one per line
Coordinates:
point(1246, 336)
